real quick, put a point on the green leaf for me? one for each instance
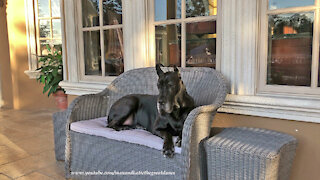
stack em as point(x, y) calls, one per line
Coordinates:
point(55, 72)
point(42, 79)
point(48, 47)
point(46, 88)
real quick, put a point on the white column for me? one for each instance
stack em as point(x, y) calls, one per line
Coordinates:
point(239, 28)
point(134, 32)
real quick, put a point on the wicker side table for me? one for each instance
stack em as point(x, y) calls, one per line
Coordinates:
point(250, 153)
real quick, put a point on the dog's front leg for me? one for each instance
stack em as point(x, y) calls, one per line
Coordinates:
point(179, 140)
point(168, 147)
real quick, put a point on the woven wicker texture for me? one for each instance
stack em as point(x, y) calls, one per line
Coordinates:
point(205, 85)
point(59, 127)
point(250, 153)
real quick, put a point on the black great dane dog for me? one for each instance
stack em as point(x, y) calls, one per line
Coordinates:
point(162, 115)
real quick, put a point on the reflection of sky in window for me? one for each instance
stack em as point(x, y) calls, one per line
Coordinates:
point(310, 15)
point(43, 8)
point(160, 7)
point(55, 5)
point(276, 4)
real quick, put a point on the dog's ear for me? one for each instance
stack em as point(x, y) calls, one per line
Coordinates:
point(159, 71)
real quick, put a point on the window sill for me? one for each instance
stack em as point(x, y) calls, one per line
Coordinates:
point(307, 110)
point(81, 88)
point(32, 74)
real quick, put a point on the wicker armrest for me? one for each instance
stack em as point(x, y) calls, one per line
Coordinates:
point(196, 127)
point(87, 107)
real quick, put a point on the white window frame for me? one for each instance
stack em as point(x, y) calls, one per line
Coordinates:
point(100, 29)
point(183, 21)
point(263, 87)
point(32, 28)
point(240, 53)
point(134, 57)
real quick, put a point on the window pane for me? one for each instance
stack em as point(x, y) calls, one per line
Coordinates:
point(56, 28)
point(43, 6)
point(113, 49)
point(168, 44)
point(201, 44)
point(92, 52)
point(112, 12)
point(290, 49)
point(44, 44)
point(56, 45)
point(90, 13)
point(55, 6)
point(196, 8)
point(167, 9)
point(277, 4)
point(44, 29)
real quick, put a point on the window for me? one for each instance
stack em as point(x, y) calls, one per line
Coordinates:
point(185, 32)
point(48, 24)
point(43, 29)
point(290, 47)
point(101, 50)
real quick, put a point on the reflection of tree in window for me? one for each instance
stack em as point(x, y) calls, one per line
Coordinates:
point(112, 12)
point(299, 22)
point(44, 30)
point(290, 49)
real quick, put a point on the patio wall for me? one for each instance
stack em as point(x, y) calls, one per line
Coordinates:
point(307, 160)
point(19, 92)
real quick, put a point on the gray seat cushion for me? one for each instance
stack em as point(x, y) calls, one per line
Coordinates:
point(97, 127)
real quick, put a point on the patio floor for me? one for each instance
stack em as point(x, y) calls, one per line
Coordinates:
point(27, 146)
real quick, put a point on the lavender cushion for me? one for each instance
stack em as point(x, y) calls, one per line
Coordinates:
point(97, 127)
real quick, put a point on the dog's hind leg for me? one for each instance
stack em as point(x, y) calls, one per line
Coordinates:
point(121, 113)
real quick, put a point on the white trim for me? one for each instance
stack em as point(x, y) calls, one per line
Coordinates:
point(31, 38)
point(82, 88)
point(32, 74)
point(273, 107)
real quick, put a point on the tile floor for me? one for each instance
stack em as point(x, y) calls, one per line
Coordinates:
point(27, 146)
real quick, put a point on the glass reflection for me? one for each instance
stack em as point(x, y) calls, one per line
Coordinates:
point(55, 6)
point(290, 49)
point(44, 28)
point(92, 52)
point(90, 13)
point(168, 44)
point(112, 12)
point(44, 44)
point(56, 28)
point(113, 48)
point(277, 4)
point(167, 9)
point(43, 6)
point(201, 44)
point(196, 8)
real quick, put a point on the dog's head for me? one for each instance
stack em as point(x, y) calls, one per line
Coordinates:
point(169, 86)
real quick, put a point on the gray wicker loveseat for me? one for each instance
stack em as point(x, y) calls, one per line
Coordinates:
point(90, 153)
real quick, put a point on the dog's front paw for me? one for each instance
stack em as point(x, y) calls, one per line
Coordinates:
point(168, 152)
point(178, 142)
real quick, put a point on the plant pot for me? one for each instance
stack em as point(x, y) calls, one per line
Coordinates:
point(61, 100)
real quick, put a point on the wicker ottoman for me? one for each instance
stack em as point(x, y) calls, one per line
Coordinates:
point(59, 126)
point(249, 153)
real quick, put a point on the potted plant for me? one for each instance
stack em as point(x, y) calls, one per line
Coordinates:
point(51, 74)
